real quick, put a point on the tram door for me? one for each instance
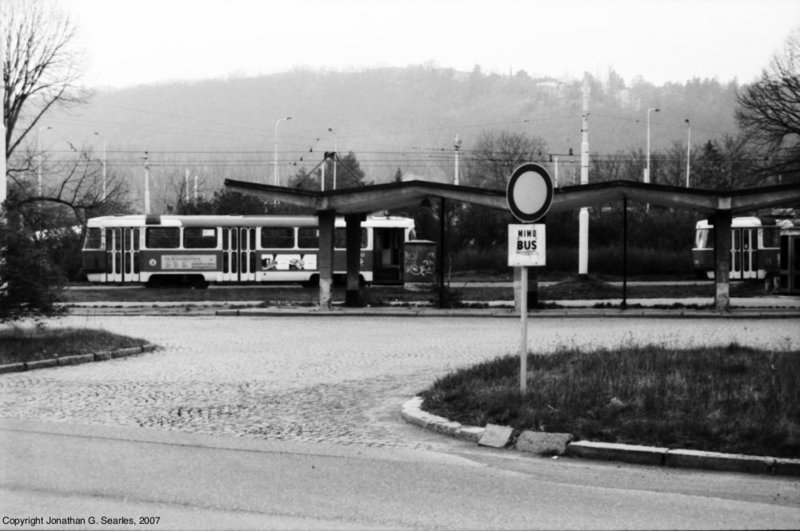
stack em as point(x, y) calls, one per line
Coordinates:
point(114, 255)
point(387, 266)
point(238, 254)
point(130, 255)
point(230, 254)
point(122, 255)
point(790, 262)
point(247, 254)
point(742, 253)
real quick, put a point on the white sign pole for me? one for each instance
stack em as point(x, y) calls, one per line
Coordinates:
point(529, 195)
point(523, 343)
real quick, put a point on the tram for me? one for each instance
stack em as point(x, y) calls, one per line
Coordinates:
point(198, 250)
point(755, 248)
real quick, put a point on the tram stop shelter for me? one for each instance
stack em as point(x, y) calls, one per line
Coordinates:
point(355, 203)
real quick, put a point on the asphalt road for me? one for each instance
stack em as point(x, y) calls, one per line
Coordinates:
point(293, 422)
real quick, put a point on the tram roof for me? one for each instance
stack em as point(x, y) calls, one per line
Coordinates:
point(166, 220)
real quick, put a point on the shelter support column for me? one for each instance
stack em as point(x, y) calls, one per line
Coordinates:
point(722, 259)
point(327, 219)
point(353, 238)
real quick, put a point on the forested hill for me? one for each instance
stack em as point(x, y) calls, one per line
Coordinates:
point(390, 118)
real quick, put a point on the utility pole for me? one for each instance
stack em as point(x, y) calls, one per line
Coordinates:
point(688, 151)
point(555, 173)
point(146, 186)
point(335, 154)
point(39, 159)
point(583, 217)
point(105, 163)
point(186, 186)
point(275, 179)
point(457, 145)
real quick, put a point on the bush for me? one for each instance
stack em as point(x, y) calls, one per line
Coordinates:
point(30, 284)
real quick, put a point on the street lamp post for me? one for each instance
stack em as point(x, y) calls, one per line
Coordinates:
point(104, 164)
point(688, 150)
point(39, 158)
point(647, 168)
point(457, 146)
point(335, 153)
point(275, 157)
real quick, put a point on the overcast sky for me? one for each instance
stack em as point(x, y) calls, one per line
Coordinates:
point(132, 42)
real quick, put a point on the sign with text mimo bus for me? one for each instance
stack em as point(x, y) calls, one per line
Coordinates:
point(526, 245)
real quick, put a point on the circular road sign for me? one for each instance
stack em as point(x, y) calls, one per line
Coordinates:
point(529, 192)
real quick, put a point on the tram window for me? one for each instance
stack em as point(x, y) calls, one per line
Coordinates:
point(277, 238)
point(704, 239)
point(200, 238)
point(770, 237)
point(308, 238)
point(162, 238)
point(94, 239)
point(340, 241)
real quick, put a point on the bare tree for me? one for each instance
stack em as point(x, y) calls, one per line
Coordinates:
point(497, 154)
point(769, 110)
point(41, 67)
point(41, 71)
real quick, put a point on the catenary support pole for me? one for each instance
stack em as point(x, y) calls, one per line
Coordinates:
point(442, 251)
point(353, 245)
point(624, 252)
point(722, 259)
point(583, 216)
point(327, 219)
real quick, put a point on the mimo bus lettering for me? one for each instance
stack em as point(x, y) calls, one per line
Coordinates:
point(198, 250)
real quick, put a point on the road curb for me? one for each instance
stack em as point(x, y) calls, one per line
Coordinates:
point(581, 313)
point(77, 359)
point(412, 412)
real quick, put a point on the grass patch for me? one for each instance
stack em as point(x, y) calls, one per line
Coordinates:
point(33, 344)
point(726, 399)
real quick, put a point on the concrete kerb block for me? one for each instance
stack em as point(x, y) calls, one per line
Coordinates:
point(41, 364)
point(412, 412)
point(75, 360)
point(470, 433)
point(495, 436)
point(787, 467)
point(543, 443)
point(719, 461)
point(123, 352)
point(12, 367)
point(103, 355)
point(642, 455)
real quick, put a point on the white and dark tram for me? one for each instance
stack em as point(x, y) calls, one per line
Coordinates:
point(198, 250)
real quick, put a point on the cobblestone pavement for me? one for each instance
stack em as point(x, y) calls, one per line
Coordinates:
point(315, 378)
